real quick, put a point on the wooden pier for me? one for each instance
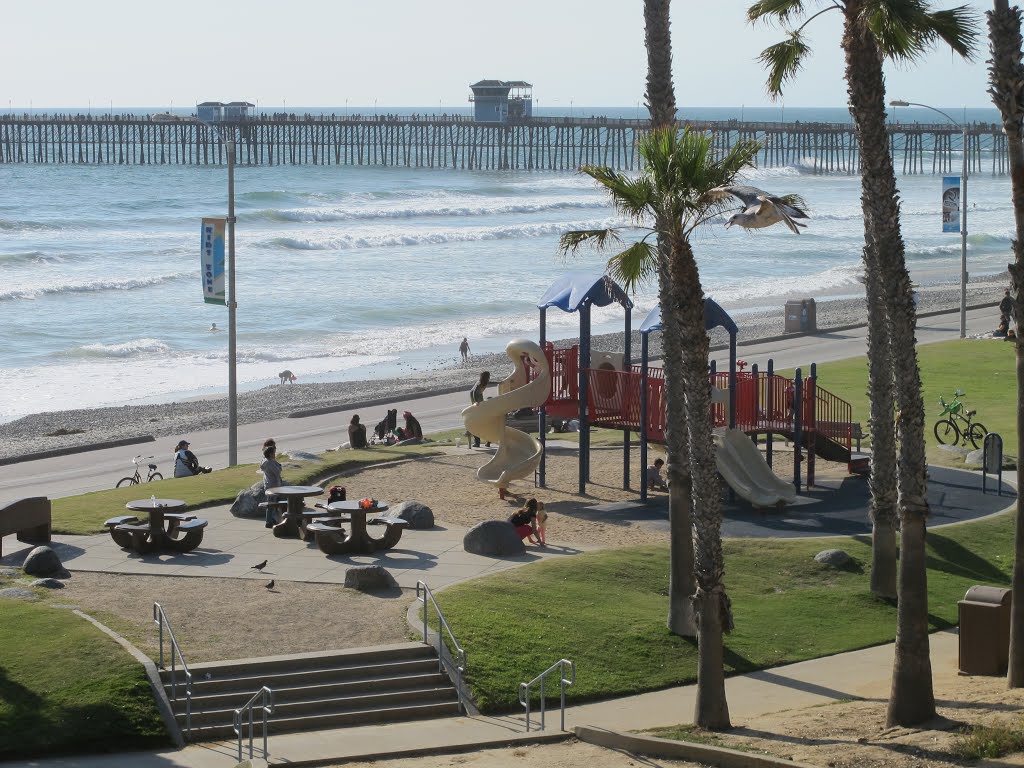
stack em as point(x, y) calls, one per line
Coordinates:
point(459, 143)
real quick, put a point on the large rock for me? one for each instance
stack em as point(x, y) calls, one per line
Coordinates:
point(18, 593)
point(977, 459)
point(43, 561)
point(48, 583)
point(837, 558)
point(493, 538)
point(246, 504)
point(419, 516)
point(369, 578)
point(302, 456)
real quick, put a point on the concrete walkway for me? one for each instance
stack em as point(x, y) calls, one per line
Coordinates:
point(862, 674)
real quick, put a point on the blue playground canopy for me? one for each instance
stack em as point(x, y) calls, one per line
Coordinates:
point(576, 289)
point(714, 316)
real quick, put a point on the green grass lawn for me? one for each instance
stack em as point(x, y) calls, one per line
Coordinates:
point(985, 370)
point(65, 687)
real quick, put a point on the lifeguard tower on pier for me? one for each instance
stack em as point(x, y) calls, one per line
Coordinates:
point(501, 101)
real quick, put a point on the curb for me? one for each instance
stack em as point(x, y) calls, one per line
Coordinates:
point(390, 400)
point(670, 749)
point(77, 449)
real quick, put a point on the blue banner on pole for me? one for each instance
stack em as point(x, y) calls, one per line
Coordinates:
point(212, 261)
point(950, 203)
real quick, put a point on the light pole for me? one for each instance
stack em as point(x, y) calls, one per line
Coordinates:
point(229, 148)
point(963, 209)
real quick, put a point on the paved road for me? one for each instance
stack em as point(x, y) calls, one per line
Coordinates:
point(99, 470)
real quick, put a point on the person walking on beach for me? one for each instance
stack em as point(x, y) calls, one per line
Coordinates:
point(464, 349)
point(476, 396)
point(271, 468)
point(185, 462)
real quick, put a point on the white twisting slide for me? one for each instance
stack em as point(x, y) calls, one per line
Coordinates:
point(745, 470)
point(518, 453)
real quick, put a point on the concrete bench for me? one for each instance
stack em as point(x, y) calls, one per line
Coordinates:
point(29, 518)
point(389, 521)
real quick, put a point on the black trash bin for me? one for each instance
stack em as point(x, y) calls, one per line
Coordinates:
point(985, 631)
point(801, 316)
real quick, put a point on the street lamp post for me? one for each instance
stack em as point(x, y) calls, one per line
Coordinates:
point(963, 209)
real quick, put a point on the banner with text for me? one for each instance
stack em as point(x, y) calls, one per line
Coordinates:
point(950, 203)
point(212, 260)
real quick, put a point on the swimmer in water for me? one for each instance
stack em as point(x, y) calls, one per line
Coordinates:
point(213, 327)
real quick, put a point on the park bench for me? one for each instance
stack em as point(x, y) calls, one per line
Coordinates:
point(29, 518)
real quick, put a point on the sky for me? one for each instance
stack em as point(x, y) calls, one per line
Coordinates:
point(61, 53)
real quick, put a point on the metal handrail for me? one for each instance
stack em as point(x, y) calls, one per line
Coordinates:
point(459, 665)
point(524, 690)
point(266, 695)
point(161, 620)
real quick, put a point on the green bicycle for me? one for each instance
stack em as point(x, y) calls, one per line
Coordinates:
point(949, 432)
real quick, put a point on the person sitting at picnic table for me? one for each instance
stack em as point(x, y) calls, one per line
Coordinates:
point(185, 462)
point(356, 433)
point(654, 478)
point(270, 467)
point(525, 522)
point(412, 427)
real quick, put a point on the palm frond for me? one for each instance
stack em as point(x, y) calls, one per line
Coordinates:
point(906, 29)
point(631, 196)
point(570, 242)
point(636, 265)
point(795, 200)
point(775, 11)
point(783, 60)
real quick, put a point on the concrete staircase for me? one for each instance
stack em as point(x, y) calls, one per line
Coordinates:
point(312, 691)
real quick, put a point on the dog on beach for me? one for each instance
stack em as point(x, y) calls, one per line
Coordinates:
point(286, 376)
point(387, 424)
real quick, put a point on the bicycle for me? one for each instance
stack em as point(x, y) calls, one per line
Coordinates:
point(137, 477)
point(947, 431)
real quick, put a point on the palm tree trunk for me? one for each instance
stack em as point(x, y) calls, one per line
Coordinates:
point(714, 615)
point(882, 482)
point(661, 97)
point(681, 618)
point(912, 699)
point(1006, 80)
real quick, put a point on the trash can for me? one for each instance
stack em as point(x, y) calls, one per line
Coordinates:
point(801, 316)
point(985, 631)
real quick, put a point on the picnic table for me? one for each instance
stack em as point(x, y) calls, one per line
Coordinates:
point(332, 539)
point(165, 527)
point(294, 524)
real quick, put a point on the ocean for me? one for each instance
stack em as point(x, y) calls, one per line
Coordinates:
point(364, 272)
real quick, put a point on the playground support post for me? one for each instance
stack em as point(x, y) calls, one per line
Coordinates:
point(542, 417)
point(770, 400)
point(584, 455)
point(643, 417)
point(626, 362)
point(797, 408)
point(812, 395)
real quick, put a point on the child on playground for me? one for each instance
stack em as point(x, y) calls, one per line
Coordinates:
point(525, 522)
point(654, 478)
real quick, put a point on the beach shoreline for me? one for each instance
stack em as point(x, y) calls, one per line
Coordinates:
point(65, 429)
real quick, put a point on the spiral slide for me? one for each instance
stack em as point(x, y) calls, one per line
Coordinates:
point(518, 453)
point(745, 470)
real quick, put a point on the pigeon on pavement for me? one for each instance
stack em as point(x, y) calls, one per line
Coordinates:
point(760, 208)
point(259, 566)
point(270, 584)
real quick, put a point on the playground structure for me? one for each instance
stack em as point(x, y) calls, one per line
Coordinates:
point(605, 389)
point(518, 453)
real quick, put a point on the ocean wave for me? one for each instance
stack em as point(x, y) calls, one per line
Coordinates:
point(837, 277)
point(89, 286)
point(133, 348)
point(311, 215)
point(26, 225)
point(463, 235)
point(30, 257)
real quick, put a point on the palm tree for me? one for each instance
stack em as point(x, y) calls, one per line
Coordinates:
point(661, 101)
point(1006, 81)
point(875, 30)
point(668, 200)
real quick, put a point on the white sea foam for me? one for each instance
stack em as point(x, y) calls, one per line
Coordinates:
point(92, 286)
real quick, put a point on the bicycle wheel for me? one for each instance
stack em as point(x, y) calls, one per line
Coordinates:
point(976, 434)
point(124, 482)
point(947, 432)
point(155, 476)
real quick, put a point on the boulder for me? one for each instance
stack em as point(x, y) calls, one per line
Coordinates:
point(369, 578)
point(419, 516)
point(955, 450)
point(302, 456)
point(9, 572)
point(48, 583)
point(837, 558)
point(493, 538)
point(246, 504)
point(977, 459)
point(18, 593)
point(43, 561)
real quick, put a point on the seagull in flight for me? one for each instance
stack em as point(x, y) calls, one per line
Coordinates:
point(760, 208)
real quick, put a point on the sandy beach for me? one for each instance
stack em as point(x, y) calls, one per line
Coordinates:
point(59, 429)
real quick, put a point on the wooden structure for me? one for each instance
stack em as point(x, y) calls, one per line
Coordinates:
point(553, 143)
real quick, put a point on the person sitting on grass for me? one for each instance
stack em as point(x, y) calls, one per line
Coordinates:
point(525, 522)
point(654, 478)
point(356, 433)
point(185, 462)
point(413, 430)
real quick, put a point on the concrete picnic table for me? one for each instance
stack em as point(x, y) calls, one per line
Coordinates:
point(165, 527)
point(333, 540)
point(294, 524)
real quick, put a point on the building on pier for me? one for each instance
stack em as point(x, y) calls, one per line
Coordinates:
point(219, 112)
point(501, 101)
